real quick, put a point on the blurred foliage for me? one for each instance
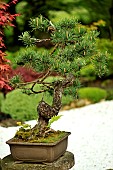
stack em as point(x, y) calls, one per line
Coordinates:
point(88, 72)
point(12, 57)
point(109, 94)
point(93, 94)
point(1, 99)
point(19, 106)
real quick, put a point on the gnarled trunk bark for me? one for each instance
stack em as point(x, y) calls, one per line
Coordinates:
point(46, 111)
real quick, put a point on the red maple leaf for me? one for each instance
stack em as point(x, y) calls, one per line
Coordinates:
point(4, 85)
point(5, 20)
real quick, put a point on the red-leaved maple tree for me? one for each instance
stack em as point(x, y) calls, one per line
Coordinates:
point(6, 19)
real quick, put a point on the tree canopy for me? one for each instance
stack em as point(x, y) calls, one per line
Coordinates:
point(73, 46)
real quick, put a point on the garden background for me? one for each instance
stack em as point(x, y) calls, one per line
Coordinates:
point(93, 14)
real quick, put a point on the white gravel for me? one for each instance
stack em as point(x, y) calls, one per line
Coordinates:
point(91, 138)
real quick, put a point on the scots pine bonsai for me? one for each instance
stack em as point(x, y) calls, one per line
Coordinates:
point(72, 47)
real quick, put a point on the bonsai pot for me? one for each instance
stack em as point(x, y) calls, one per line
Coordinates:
point(38, 152)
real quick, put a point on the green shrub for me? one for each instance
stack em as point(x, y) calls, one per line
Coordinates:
point(109, 94)
point(93, 94)
point(20, 106)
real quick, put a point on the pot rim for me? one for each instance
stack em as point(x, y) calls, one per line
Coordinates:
point(10, 142)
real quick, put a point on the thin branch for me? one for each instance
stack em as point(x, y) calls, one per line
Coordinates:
point(45, 76)
point(43, 40)
point(40, 91)
point(32, 88)
point(37, 81)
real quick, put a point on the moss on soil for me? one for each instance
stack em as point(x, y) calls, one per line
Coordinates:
point(50, 137)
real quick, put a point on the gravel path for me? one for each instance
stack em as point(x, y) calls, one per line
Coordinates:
point(91, 138)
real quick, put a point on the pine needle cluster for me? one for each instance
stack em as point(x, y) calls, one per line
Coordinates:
point(72, 47)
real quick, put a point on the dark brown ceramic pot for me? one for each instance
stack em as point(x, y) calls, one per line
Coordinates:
point(38, 152)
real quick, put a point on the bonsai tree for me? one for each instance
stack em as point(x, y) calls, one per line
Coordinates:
point(73, 46)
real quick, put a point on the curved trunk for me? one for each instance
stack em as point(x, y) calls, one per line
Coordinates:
point(46, 111)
